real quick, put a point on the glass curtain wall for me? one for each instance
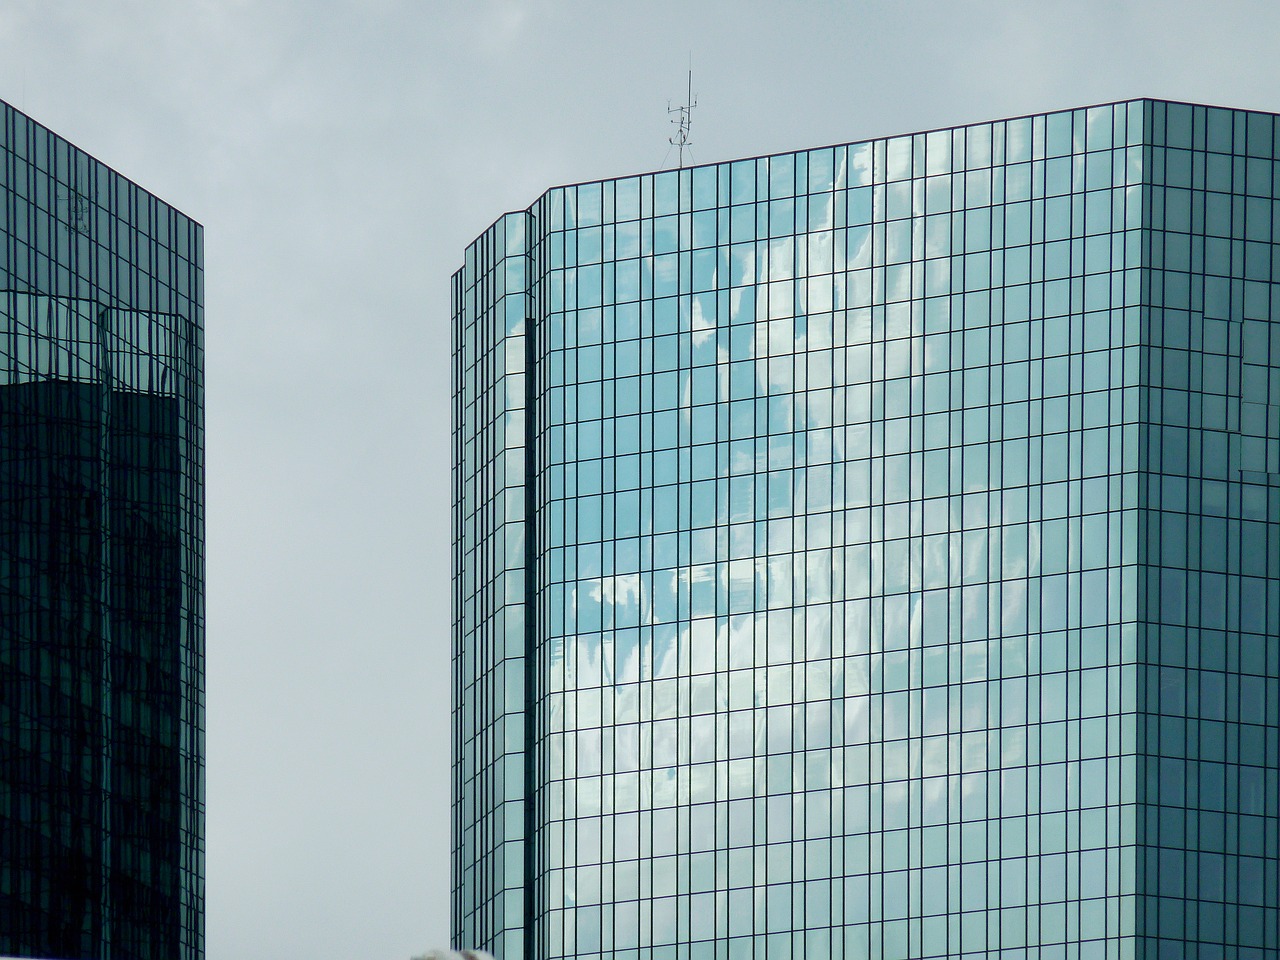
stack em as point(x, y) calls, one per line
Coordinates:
point(490, 490)
point(101, 561)
point(865, 614)
point(1209, 634)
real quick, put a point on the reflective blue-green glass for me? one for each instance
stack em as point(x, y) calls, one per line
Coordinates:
point(894, 567)
point(101, 560)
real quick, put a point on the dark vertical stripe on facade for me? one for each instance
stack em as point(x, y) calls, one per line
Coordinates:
point(531, 778)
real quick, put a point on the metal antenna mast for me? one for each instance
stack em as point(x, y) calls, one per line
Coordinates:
point(683, 120)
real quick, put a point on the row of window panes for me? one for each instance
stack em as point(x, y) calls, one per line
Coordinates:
point(952, 314)
point(852, 308)
point(1058, 601)
point(1082, 506)
point(824, 487)
point(1025, 140)
point(938, 236)
point(975, 191)
point(815, 453)
point(779, 175)
point(1024, 221)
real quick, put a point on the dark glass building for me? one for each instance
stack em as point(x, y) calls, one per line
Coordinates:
point(101, 560)
point(871, 552)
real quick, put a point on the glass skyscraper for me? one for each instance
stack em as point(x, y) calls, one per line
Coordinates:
point(874, 552)
point(101, 560)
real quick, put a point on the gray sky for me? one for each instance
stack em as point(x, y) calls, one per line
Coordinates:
point(340, 156)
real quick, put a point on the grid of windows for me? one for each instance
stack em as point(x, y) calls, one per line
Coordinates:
point(1209, 615)
point(865, 611)
point(101, 560)
point(490, 307)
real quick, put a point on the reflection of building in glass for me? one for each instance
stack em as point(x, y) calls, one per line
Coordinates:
point(870, 551)
point(101, 561)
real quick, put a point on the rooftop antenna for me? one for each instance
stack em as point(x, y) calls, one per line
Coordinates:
point(683, 120)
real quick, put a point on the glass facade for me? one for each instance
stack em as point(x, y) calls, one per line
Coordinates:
point(101, 560)
point(870, 552)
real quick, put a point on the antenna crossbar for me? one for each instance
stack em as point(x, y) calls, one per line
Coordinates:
point(683, 119)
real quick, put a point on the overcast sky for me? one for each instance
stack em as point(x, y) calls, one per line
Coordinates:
point(340, 157)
